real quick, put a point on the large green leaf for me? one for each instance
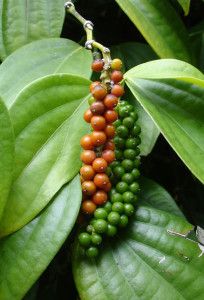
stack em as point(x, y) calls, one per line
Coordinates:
point(185, 4)
point(25, 254)
point(23, 21)
point(145, 261)
point(160, 25)
point(133, 54)
point(48, 124)
point(6, 155)
point(172, 92)
point(38, 59)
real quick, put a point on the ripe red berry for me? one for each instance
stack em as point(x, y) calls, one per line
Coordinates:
point(107, 187)
point(88, 207)
point(116, 64)
point(116, 76)
point(99, 92)
point(98, 138)
point(86, 142)
point(97, 108)
point(98, 123)
point(109, 145)
point(88, 157)
point(117, 90)
point(88, 188)
point(101, 180)
point(99, 165)
point(88, 115)
point(111, 116)
point(93, 85)
point(110, 101)
point(108, 155)
point(87, 172)
point(100, 197)
point(97, 65)
point(110, 131)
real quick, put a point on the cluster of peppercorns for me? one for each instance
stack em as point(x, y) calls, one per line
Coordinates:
point(110, 160)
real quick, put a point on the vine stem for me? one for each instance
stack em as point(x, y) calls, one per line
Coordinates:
point(91, 44)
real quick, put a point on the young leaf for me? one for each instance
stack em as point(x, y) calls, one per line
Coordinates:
point(6, 155)
point(160, 25)
point(172, 92)
point(38, 59)
point(185, 4)
point(146, 261)
point(48, 124)
point(25, 254)
point(23, 21)
point(133, 54)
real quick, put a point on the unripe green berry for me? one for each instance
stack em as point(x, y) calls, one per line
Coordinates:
point(123, 221)
point(100, 226)
point(112, 230)
point(100, 213)
point(122, 131)
point(137, 163)
point(92, 252)
point(116, 198)
point(114, 164)
point(136, 173)
point(113, 218)
point(122, 187)
point(119, 142)
point(128, 197)
point(129, 209)
point(131, 143)
point(91, 100)
point(130, 154)
point(134, 187)
point(123, 111)
point(128, 122)
point(96, 239)
point(118, 154)
point(84, 239)
point(134, 115)
point(117, 123)
point(108, 206)
point(118, 207)
point(127, 164)
point(128, 178)
point(136, 130)
point(119, 171)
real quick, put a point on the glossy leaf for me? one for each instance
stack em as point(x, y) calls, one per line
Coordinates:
point(6, 154)
point(24, 21)
point(25, 254)
point(48, 124)
point(160, 26)
point(38, 59)
point(172, 92)
point(185, 4)
point(145, 261)
point(133, 54)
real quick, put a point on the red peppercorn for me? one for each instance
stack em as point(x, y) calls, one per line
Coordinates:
point(93, 85)
point(98, 123)
point(99, 165)
point(101, 180)
point(97, 108)
point(88, 115)
point(110, 101)
point(88, 157)
point(86, 142)
point(88, 207)
point(111, 116)
point(117, 90)
point(116, 76)
point(110, 131)
point(98, 138)
point(88, 188)
point(100, 197)
point(99, 92)
point(97, 65)
point(108, 155)
point(87, 172)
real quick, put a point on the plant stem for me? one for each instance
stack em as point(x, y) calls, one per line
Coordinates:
point(90, 42)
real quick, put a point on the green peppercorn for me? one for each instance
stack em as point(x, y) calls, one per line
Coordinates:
point(123, 221)
point(112, 230)
point(91, 100)
point(109, 171)
point(136, 173)
point(117, 123)
point(92, 252)
point(122, 187)
point(130, 154)
point(116, 198)
point(84, 239)
point(123, 111)
point(119, 142)
point(131, 143)
point(96, 239)
point(129, 209)
point(118, 154)
point(122, 131)
point(108, 206)
point(119, 171)
point(129, 108)
point(113, 218)
point(118, 207)
point(134, 187)
point(89, 228)
point(128, 122)
point(100, 213)
point(100, 226)
point(134, 115)
point(128, 197)
point(136, 130)
point(137, 163)
point(127, 164)
point(114, 164)
point(128, 178)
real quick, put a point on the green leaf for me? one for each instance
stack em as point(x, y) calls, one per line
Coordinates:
point(133, 54)
point(48, 124)
point(160, 26)
point(172, 92)
point(6, 155)
point(38, 59)
point(145, 261)
point(25, 254)
point(24, 21)
point(185, 4)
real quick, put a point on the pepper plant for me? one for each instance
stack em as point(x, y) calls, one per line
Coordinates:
point(151, 246)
